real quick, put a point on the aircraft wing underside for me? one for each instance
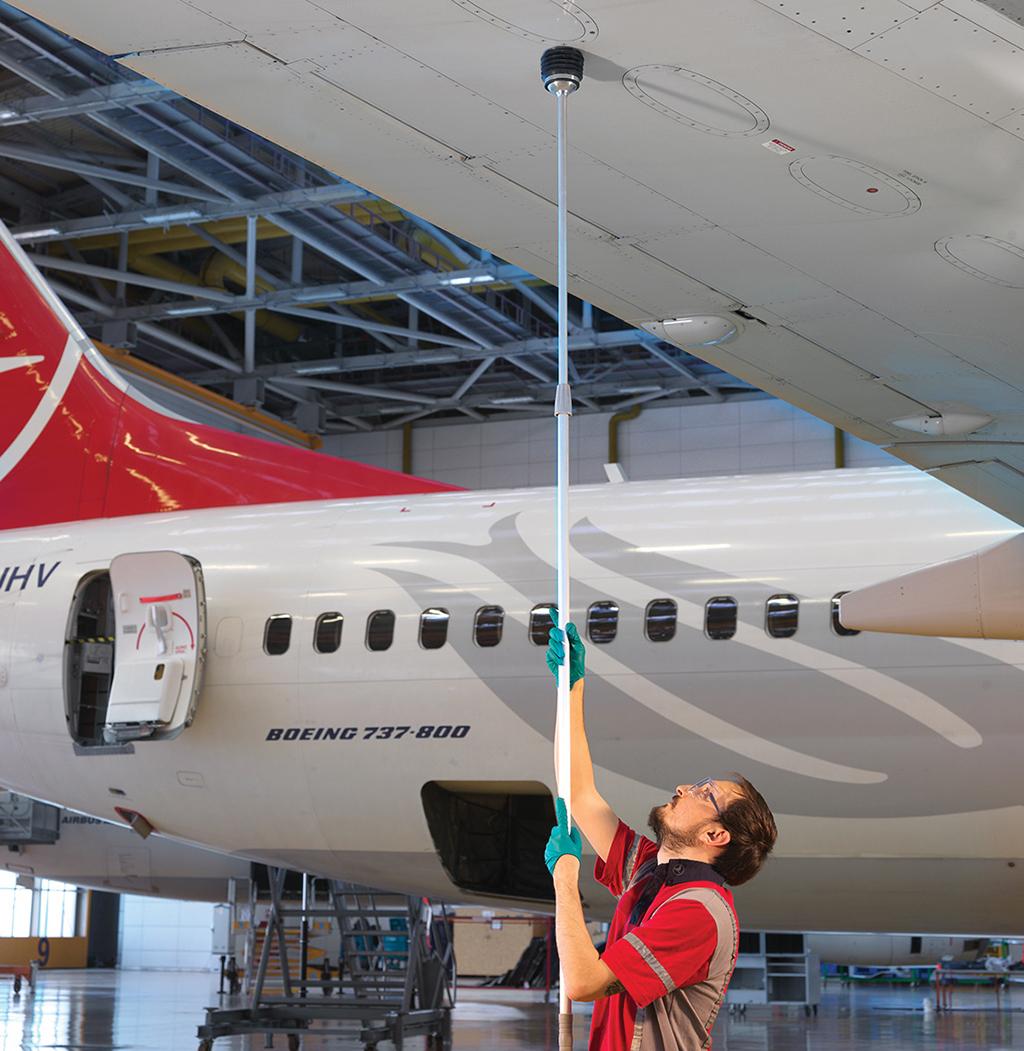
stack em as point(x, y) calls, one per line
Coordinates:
point(845, 176)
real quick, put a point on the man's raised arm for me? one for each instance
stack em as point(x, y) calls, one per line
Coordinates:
point(595, 817)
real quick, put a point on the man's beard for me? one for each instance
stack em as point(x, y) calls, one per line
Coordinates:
point(670, 838)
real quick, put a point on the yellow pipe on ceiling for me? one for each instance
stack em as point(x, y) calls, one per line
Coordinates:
point(154, 266)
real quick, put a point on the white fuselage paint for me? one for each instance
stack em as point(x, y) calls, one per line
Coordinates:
point(856, 754)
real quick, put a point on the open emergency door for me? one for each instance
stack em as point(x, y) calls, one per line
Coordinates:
point(160, 616)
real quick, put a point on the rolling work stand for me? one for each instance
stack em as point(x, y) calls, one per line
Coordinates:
point(395, 977)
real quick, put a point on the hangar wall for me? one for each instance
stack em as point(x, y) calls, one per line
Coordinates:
point(163, 935)
point(733, 437)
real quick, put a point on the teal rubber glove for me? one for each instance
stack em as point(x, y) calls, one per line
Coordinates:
point(556, 651)
point(563, 840)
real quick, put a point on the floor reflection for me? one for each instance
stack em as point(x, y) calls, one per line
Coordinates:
point(159, 1011)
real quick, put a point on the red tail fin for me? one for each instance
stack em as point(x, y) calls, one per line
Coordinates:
point(75, 443)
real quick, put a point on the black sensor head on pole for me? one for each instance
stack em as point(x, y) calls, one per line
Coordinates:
point(561, 69)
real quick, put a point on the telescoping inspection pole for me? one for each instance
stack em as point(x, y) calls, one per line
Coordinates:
point(561, 69)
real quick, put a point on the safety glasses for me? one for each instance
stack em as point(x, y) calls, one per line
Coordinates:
point(705, 790)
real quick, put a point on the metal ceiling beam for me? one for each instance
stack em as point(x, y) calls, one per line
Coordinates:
point(347, 321)
point(71, 266)
point(196, 148)
point(630, 337)
point(364, 392)
point(201, 212)
point(233, 304)
point(340, 293)
point(470, 380)
point(24, 111)
point(449, 242)
point(485, 400)
point(275, 283)
point(29, 155)
point(159, 149)
point(226, 365)
point(651, 346)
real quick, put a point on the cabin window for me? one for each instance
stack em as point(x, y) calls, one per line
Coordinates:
point(488, 625)
point(602, 622)
point(660, 620)
point(781, 615)
point(434, 628)
point(720, 617)
point(327, 632)
point(541, 623)
point(277, 634)
point(837, 625)
point(380, 629)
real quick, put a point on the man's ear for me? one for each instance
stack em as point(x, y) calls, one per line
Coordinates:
point(717, 836)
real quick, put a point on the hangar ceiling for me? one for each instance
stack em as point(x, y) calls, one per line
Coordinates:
point(220, 257)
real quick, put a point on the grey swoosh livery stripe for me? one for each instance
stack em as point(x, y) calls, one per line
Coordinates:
point(903, 698)
point(765, 694)
point(730, 737)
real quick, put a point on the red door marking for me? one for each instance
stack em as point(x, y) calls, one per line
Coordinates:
point(189, 626)
point(160, 598)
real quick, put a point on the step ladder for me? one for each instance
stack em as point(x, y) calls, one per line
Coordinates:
point(394, 976)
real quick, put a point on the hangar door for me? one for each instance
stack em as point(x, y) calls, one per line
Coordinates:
point(137, 649)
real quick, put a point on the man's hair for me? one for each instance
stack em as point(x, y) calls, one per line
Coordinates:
point(752, 833)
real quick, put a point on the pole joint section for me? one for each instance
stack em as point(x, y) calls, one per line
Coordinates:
point(563, 400)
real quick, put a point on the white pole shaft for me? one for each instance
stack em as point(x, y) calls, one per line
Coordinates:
point(562, 414)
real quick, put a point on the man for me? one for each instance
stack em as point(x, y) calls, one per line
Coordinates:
point(673, 940)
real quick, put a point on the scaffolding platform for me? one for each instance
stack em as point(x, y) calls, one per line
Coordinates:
point(395, 974)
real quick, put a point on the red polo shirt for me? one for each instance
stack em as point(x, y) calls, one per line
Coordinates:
point(680, 938)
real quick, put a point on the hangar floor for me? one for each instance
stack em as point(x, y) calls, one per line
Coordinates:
point(158, 1011)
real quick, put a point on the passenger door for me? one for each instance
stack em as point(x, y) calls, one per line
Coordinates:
point(160, 614)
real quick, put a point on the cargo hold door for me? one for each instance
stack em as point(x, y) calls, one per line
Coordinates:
point(160, 615)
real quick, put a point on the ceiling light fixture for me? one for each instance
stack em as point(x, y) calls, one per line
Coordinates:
point(187, 311)
point(32, 235)
point(469, 279)
point(641, 390)
point(435, 359)
point(316, 370)
point(519, 399)
point(180, 216)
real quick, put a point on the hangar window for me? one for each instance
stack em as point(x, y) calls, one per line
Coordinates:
point(602, 622)
point(434, 628)
point(660, 620)
point(720, 617)
point(541, 623)
point(277, 635)
point(781, 614)
point(327, 633)
point(488, 625)
point(380, 629)
point(837, 624)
